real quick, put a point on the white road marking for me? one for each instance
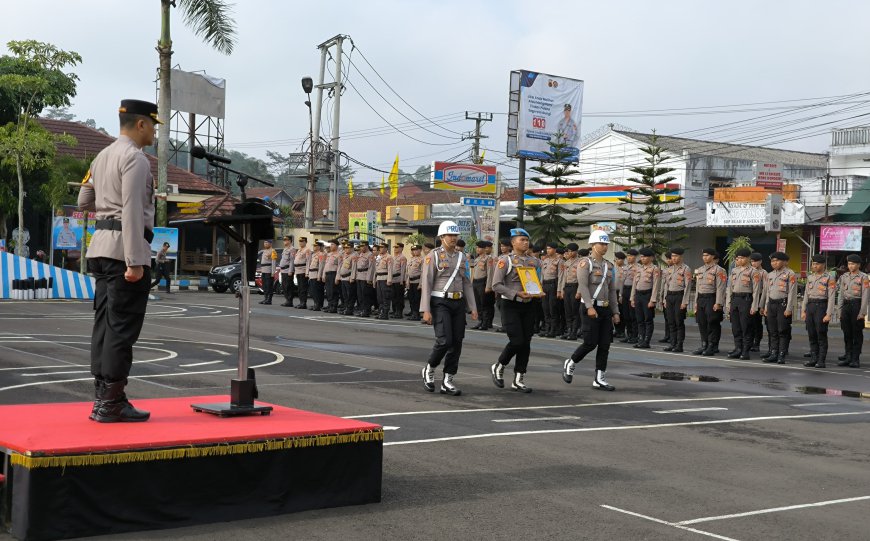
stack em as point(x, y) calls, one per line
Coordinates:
point(390, 427)
point(671, 524)
point(774, 510)
point(593, 404)
point(219, 352)
point(530, 419)
point(627, 427)
point(817, 404)
point(690, 410)
point(199, 364)
point(356, 370)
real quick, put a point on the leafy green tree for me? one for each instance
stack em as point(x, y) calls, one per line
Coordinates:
point(555, 221)
point(210, 20)
point(27, 84)
point(646, 203)
point(736, 244)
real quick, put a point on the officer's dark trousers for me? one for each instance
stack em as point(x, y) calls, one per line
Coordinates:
point(550, 311)
point(364, 297)
point(597, 332)
point(668, 323)
point(162, 272)
point(266, 279)
point(778, 326)
point(572, 317)
point(119, 311)
point(287, 287)
point(741, 328)
point(645, 315)
point(757, 324)
point(315, 291)
point(332, 290)
point(853, 328)
point(478, 286)
point(398, 297)
point(676, 317)
point(626, 313)
point(519, 324)
point(817, 330)
point(302, 284)
point(709, 320)
point(448, 321)
point(385, 294)
point(414, 299)
point(348, 291)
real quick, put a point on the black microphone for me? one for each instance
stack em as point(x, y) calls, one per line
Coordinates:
point(200, 153)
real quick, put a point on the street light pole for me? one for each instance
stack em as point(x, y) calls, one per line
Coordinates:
point(307, 86)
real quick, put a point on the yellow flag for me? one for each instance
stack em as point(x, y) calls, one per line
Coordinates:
point(482, 155)
point(394, 179)
point(350, 188)
point(382, 184)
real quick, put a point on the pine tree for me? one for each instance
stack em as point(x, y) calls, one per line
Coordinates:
point(646, 226)
point(552, 221)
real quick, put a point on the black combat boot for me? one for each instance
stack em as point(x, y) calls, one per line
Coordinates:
point(701, 349)
point(772, 358)
point(115, 408)
point(99, 392)
point(814, 356)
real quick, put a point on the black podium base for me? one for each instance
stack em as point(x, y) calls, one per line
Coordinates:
point(228, 409)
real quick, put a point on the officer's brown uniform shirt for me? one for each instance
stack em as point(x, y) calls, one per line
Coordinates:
point(384, 269)
point(286, 263)
point(300, 260)
point(438, 267)
point(647, 278)
point(480, 269)
point(781, 285)
point(592, 272)
point(629, 271)
point(123, 189)
point(569, 274)
point(711, 279)
point(677, 278)
point(851, 286)
point(346, 269)
point(760, 295)
point(267, 262)
point(400, 263)
point(506, 278)
point(415, 269)
point(743, 280)
point(315, 264)
point(333, 260)
point(364, 268)
point(820, 287)
point(550, 268)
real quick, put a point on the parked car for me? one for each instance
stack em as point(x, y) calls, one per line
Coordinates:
point(226, 277)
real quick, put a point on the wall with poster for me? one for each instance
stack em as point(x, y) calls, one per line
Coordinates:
point(362, 225)
point(67, 230)
point(840, 238)
point(165, 234)
point(542, 108)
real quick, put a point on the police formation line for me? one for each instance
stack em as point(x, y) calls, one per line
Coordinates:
point(582, 294)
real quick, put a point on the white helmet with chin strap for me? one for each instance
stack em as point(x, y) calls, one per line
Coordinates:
point(599, 236)
point(448, 227)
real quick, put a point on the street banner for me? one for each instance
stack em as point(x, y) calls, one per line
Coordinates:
point(545, 108)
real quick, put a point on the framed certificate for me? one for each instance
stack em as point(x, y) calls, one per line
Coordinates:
point(529, 279)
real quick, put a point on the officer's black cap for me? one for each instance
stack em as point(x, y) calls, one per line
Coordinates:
point(488, 244)
point(416, 247)
point(711, 251)
point(619, 255)
point(429, 245)
point(305, 239)
point(400, 244)
point(504, 241)
point(481, 244)
point(583, 252)
point(552, 245)
point(782, 256)
point(560, 250)
point(647, 252)
point(755, 256)
point(678, 251)
point(460, 243)
point(139, 107)
point(853, 258)
point(743, 252)
point(818, 258)
point(631, 251)
point(572, 247)
point(361, 243)
point(667, 254)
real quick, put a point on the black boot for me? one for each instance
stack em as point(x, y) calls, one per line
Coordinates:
point(701, 349)
point(99, 391)
point(822, 354)
point(738, 348)
point(756, 346)
point(844, 357)
point(812, 360)
point(853, 361)
point(780, 359)
point(115, 408)
point(772, 358)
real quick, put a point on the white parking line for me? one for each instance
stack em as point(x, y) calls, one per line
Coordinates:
point(219, 352)
point(565, 418)
point(773, 510)
point(817, 404)
point(665, 522)
point(690, 410)
point(199, 364)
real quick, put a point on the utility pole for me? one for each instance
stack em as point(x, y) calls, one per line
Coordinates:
point(314, 132)
point(336, 162)
point(479, 119)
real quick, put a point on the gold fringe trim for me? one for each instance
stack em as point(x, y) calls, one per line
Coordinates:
point(101, 459)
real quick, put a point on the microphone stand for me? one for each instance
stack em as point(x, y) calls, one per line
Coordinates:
point(243, 390)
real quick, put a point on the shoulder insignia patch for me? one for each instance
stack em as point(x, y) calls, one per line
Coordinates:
point(428, 259)
point(722, 275)
point(274, 254)
point(583, 264)
point(501, 264)
point(793, 278)
point(87, 177)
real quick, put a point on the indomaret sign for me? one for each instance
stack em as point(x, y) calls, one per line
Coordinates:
point(463, 177)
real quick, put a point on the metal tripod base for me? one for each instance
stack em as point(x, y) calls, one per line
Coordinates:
point(241, 402)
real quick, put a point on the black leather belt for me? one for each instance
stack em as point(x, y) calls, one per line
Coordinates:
point(643, 291)
point(678, 292)
point(345, 275)
point(397, 275)
point(570, 284)
point(858, 299)
point(111, 224)
point(381, 274)
point(478, 280)
point(823, 300)
point(549, 281)
point(706, 294)
point(742, 295)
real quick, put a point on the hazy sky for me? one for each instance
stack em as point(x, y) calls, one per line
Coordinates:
point(446, 57)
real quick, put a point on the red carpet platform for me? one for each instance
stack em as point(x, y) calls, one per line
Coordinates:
point(67, 476)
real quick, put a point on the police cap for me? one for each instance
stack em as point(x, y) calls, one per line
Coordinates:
point(755, 256)
point(853, 258)
point(631, 251)
point(782, 256)
point(710, 251)
point(416, 247)
point(504, 241)
point(303, 239)
point(646, 252)
point(572, 247)
point(619, 255)
point(667, 254)
point(676, 250)
point(583, 252)
point(742, 252)
point(818, 258)
point(560, 250)
point(460, 243)
point(139, 107)
point(552, 245)
point(480, 244)
point(361, 243)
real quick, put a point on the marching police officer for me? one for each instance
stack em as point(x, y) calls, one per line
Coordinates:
point(568, 292)
point(757, 319)
point(120, 189)
point(517, 310)
point(285, 268)
point(644, 295)
point(363, 275)
point(316, 263)
point(412, 281)
point(300, 264)
point(854, 289)
point(741, 302)
point(676, 288)
point(626, 312)
point(400, 269)
point(778, 300)
point(345, 273)
point(330, 277)
point(445, 294)
point(268, 261)
point(596, 280)
point(817, 309)
point(384, 271)
point(710, 281)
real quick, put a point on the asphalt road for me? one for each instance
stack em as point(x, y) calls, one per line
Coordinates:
point(686, 448)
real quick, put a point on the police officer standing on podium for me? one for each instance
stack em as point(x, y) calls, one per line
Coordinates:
point(445, 294)
point(517, 310)
point(596, 281)
point(119, 187)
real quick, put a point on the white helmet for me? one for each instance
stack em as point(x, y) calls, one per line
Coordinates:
point(448, 228)
point(599, 235)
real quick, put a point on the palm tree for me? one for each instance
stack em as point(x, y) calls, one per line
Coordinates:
point(210, 20)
